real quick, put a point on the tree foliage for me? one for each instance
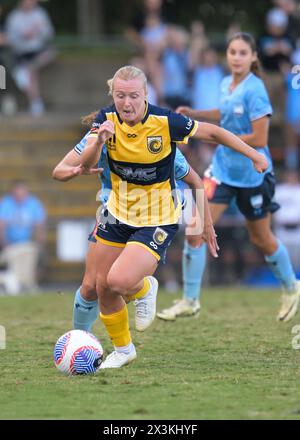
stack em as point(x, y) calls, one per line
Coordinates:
point(216, 15)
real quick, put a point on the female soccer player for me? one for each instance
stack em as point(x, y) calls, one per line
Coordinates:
point(245, 110)
point(86, 308)
point(142, 210)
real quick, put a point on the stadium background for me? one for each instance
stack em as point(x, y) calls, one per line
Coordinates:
point(91, 44)
point(235, 361)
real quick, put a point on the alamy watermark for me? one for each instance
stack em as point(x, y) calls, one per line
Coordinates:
point(2, 338)
point(296, 79)
point(140, 207)
point(2, 77)
point(296, 339)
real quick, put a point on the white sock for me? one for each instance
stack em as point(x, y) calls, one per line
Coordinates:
point(127, 349)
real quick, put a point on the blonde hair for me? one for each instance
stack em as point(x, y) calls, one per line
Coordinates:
point(89, 119)
point(127, 73)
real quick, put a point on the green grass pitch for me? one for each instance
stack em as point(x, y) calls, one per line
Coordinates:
point(232, 362)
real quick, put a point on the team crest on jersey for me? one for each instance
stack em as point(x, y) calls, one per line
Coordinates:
point(154, 144)
point(257, 201)
point(239, 110)
point(159, 236)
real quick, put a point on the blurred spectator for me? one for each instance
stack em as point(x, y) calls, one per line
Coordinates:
point(275, 46)
point(148, 25)
point(287, 219)
point(22, 235)
point(29, 32)
point(8, 101)
point(140, 62)
point(230, 267)
point(232, 29)
point(275, 49)
point(292, 114)
point(292, 11)
point(198, 42)
point(2, 37)
point(175, 68)
point(205, 94)
point(148, 31)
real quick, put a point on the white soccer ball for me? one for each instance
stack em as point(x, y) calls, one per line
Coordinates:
point(78, 352)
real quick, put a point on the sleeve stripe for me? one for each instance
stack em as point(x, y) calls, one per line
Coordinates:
point(185, 174)
point(192, 132)
point(261, 115)
point(77, 150)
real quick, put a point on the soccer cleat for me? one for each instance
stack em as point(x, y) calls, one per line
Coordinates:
point(118, 360)
point(182, 307)
point(146, 307)
point(289, 304)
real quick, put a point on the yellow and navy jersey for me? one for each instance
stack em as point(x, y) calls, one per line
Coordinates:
point(141, 161)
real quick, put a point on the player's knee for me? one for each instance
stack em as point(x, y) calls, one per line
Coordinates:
point(256, 239)
point(88, 291)
point(263, 242)
point(194, 240)
point(101, 283)
point(118, 284)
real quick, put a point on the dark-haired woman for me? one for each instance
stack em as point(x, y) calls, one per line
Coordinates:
point(244, 110)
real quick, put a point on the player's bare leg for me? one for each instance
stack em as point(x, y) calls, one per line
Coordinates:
point(136, 264)
point(194, 259)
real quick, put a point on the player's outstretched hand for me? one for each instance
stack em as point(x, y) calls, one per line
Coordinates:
point(80, 170)
point(261, 163)
point(106, 130)
point(210, 237)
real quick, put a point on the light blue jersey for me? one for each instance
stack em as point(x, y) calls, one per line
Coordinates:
point(21, 218)
point(248, 102)
point(181, 168)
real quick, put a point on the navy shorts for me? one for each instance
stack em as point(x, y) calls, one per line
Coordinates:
point(254, 203)
point(156, 239)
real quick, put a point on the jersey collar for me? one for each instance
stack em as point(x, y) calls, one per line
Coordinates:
point(136, 126)
point(241, 83)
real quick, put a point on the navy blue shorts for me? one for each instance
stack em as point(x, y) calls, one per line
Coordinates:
point(254, 203)
point(156, 239)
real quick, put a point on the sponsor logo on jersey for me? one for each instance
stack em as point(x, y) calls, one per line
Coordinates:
point(159, 236)
point(95, 127)
point(131, 135)
point(189, 124)
point(111, 143)
point(154, 144)
point(141, 174)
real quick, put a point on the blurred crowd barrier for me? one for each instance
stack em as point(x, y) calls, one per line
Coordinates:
point(178, 62)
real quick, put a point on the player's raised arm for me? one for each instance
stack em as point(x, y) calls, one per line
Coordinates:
point(213, 133)
point(65, 169)
point(70, 167)
point(94, 144)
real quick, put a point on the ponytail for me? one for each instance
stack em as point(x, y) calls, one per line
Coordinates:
point(89, 119)
point(256, 68)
